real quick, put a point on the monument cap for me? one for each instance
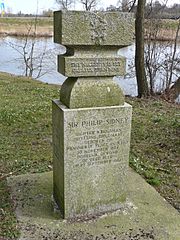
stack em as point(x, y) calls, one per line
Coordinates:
point(93, 28)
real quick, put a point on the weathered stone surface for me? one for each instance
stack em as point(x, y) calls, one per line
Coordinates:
point(90, 158)
point(144, 216)
point(91, 122)
point(90, 66)
point(92, 40)
point(91, 92)
point(97, 28)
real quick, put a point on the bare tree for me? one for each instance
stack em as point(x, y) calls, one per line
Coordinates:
point(112, 8)
point(153, 52)
point(33, 61)
point(65, 4)
point(89, 4)
point(154, 10)
point(126, 5)
point(142, 84)
point(161, 58)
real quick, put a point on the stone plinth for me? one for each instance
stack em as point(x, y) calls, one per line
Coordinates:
point(144, 216)
point(91, 152)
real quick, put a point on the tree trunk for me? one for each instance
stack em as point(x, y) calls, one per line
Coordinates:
point(142, 84)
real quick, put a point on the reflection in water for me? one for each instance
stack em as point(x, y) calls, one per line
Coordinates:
point(11, 61)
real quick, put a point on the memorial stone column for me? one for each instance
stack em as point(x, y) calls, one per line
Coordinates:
point(91, 121)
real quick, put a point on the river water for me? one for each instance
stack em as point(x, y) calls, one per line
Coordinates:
point(11, 61)
point(11, 58)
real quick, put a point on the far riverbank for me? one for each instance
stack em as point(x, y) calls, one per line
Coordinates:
point(23, 26)
point(26, 26)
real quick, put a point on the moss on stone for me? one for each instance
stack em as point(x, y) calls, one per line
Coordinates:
point(85, 92)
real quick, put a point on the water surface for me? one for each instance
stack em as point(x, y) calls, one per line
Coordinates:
point(11, 61)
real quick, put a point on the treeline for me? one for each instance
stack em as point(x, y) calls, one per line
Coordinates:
point(158, 10)
point(45, 13)
point(153, 9)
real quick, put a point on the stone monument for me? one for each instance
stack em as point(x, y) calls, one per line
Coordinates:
point(91, 121)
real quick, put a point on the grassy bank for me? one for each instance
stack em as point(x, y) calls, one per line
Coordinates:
point(20, 26)
point(46, 21)
point(25, 134)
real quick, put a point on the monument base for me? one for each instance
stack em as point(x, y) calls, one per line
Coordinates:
point(90, 158)
point(145, 214)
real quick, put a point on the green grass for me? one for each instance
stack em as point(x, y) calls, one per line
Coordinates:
point(48, 21)
point(25, 136)
point(155, 145)
point(25, 140)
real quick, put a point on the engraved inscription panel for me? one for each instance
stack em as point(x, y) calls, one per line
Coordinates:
point(71, 67)
point(90, 158)
point(99, 141)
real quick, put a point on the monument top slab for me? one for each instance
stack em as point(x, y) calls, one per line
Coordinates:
point(74, 28)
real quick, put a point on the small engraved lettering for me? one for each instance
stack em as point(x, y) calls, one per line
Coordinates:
point(101, 142)
point(98, 66)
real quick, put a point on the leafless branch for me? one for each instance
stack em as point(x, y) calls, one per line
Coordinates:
point(89, 4)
